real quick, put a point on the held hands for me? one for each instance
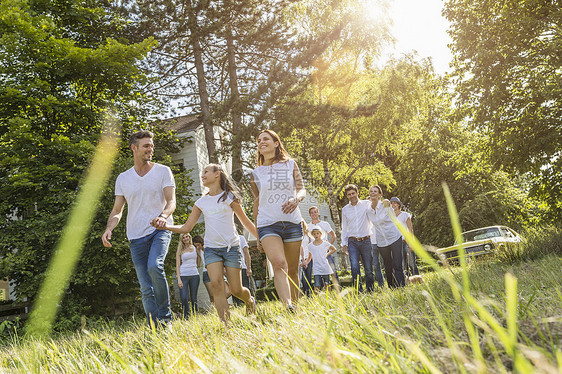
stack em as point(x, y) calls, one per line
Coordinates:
point(290, 205)
point(160, 223)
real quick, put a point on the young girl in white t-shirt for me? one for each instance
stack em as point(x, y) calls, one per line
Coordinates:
point(188, 260)
point(221, 250)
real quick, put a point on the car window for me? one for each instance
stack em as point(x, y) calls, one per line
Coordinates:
point(506, 232)
point(490, 232)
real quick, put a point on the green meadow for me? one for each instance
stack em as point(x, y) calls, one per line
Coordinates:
point(421, 328)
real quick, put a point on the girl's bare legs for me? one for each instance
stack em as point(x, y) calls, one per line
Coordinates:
point(284, 258)
point(275, 252)
point(292, 256)
point(234, 276)
point(215, 271)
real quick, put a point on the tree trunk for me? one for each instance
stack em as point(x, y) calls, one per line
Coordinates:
point(334, 212)
point(235, 111)
point(202, 86)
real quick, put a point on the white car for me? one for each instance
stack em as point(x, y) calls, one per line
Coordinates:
point(481, 241)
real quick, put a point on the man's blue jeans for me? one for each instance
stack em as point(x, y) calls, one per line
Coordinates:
point(392, 259)
point(306, 279)
point(361, 249)
point(148, 255)
point(377, 265)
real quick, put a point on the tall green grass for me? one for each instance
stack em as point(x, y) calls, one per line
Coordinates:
point(420, 328)
point(475, 318)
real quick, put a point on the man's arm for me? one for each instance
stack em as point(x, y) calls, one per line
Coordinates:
point(113, 220)
point(170, 196)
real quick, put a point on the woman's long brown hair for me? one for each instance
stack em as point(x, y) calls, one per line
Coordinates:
point(281, 153)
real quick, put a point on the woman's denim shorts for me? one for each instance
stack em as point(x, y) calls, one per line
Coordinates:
point(230, 258)
point(287, 231)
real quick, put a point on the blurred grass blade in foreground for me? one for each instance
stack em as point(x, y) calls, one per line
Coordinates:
point(70, 245)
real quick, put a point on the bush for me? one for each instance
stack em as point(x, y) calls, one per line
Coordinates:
point(539, 242)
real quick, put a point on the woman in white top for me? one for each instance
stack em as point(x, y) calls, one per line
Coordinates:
point(278, 189)
point(188, 259)
point(408, 256)
point(221, 239)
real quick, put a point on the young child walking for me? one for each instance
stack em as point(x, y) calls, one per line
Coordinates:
point(221, 242)
point(319, 250)
point(188, 259)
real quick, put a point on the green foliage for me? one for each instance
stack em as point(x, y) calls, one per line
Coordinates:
point(62, 65)
point(509, 83)
point(539, 242)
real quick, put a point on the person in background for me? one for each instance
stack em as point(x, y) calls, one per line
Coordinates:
point(356, 237)
point(375, 193)
point(319, 250)
point(246, 267)
point(306, 262)
point(188, 259)
point(328, 235)
point(389, 238)
point(409, 256)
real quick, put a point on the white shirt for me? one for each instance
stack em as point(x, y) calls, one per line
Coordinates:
point(188, 265)
point(243, 243)
point(305, 242)
point(354, 221)
point(220, 230)
point(403, 217)
point(385, 229)
point(276, 186)
point(145, 198)
point(320, 264)
point(324, 226)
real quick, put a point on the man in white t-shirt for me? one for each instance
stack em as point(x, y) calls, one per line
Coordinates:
point(149, 189)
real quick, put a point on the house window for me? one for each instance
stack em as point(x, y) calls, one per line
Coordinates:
point(3, 295)
point(179, 167)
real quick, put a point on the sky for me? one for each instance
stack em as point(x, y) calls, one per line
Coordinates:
point(419, 25)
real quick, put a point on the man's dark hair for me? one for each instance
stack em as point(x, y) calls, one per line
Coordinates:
point(134, 139)
point(350, 187)
point(198, 239)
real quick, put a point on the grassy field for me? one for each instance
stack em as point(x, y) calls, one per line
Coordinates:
point(422, 328)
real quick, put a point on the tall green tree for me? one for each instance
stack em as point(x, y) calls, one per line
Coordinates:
point(508, 80)
point(63, 64)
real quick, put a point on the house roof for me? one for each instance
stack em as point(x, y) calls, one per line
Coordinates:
point(181, 124)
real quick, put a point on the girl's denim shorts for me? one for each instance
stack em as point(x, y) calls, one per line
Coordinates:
point(287, 231)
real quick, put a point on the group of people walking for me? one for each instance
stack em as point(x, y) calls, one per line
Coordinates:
point(369, 233)
point(277, 187)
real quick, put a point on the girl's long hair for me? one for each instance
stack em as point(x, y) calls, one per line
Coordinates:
point(226, 184)
point(281, 153)
point(182, 245)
